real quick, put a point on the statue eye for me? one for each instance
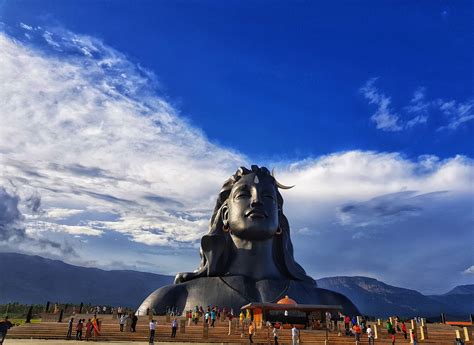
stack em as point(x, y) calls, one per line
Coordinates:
point(242, 194)
point(268, 196)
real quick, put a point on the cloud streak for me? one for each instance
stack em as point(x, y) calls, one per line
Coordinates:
point(418, 111)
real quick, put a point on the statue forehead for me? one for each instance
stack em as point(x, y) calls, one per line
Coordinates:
point(254, 179)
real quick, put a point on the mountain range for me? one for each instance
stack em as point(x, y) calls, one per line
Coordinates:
point(35, 280)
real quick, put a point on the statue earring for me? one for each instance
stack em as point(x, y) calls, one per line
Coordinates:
point(225, 227)
point(279, 231)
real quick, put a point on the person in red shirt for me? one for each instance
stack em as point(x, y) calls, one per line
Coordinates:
point(414, 338)
point(404, 329)
point(347, 320)
point(88, 329)
point(79, 326)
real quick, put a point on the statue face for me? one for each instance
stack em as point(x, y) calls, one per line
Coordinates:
point(252, 210)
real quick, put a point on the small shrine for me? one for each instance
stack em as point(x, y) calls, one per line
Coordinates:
point(288, 312)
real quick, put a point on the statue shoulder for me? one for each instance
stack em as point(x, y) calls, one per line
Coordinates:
point(335, 298)
point(165, 297)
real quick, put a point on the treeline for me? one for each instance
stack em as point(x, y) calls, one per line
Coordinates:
point(19, 311)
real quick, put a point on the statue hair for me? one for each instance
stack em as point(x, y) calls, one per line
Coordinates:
point(216, 244)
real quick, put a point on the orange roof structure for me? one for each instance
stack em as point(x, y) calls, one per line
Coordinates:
point(287, 300)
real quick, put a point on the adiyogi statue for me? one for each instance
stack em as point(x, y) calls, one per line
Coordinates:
point(247, 255)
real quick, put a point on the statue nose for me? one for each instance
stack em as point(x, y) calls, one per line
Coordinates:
point(256, 201)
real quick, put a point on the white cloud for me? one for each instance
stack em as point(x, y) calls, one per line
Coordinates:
point(418, 107)
point(469, 270)
point(48, 36)
point(61, 213)
point(417, 112)
point(457, 113)
point(26, 27)
point(384, 117)
point(35, 227)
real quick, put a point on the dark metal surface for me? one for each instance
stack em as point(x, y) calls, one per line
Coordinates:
point(247, 255)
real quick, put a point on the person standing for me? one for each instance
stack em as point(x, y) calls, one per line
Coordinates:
point(370, 335)
point(347, 321)
point(230, 316)
point(174, 327)
point(189, 316)
point(357, 331)
point(5, 325)
point(389, 326)
point(152, 332)
point(391, 331)
point(128, 323)
point(251, 332)
point(95, 327)
point(276, 333)
point(414, 338)
point(88, 329)
point(404, 329)
point(134, 322)
point(328, 320)
point(295, 334)
point(213, 317)
point(69, 328)
point(122, 321)
point(79, 326)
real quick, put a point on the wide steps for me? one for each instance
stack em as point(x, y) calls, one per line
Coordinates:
point(438, 333)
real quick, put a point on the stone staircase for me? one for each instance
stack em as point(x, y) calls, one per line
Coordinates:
point(437, 333)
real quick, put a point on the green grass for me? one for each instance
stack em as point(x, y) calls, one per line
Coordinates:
point(22, 321)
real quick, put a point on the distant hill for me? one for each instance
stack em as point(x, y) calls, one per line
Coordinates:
point(461, 298)
point(33, 279)
point(462, 290)
point(376, 298)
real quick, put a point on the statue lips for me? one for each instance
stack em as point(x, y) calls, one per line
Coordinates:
point(256, 213)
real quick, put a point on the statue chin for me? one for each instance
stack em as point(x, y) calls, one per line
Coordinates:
point(254, 234)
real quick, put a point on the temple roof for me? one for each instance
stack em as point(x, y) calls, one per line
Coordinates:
point(286, 300)
point(302, 307)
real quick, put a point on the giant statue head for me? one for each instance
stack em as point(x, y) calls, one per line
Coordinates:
point(249, 208)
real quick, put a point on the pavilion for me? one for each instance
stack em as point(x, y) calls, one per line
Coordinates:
point(286, 311)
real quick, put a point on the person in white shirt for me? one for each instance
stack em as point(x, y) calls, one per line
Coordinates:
point(328, 319)
point(276, 332)
point(152, 331)
point(122, 321)
point(174, 327)
point(370, 335)
point(295, 335)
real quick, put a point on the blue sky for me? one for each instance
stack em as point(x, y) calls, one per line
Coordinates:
point(367, 107)
point(294, 68)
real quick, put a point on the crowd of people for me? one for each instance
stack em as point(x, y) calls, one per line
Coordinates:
point(209, 315)
point(354, 327)
point(92, 328)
